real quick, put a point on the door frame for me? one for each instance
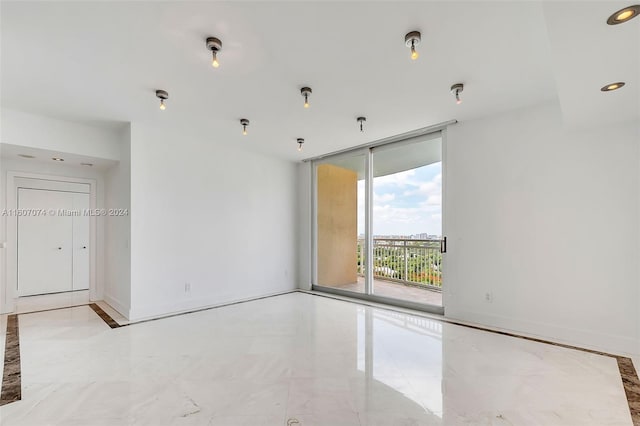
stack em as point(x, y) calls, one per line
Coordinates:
point(367, 150)
point(16, 180)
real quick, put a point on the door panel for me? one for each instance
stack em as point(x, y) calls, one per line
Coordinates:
point(340, 199)
point(81, 248)
point(45, 243)
point(407, 221)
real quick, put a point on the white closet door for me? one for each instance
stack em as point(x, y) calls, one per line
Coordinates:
point(44, 243)
point(81, 249)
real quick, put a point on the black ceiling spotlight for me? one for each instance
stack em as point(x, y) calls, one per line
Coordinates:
point(214, 45)
point(456, 89)
point(412, 39)
point(306, 91)
point(244, 123)
point(162, 95)
point(361, 120)
point(623, 15)
point(300, 141)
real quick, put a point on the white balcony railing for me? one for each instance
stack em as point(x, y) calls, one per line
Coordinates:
point(411, 262)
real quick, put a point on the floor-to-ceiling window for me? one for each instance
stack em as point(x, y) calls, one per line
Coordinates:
point(339, 199)
point(407, 221)
point(378, 222)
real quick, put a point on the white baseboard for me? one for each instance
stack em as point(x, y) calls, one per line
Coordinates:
point(155, 312)
point(117, 305)
point(609, 343)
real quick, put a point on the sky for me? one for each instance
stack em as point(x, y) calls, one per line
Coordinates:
point(405, 203)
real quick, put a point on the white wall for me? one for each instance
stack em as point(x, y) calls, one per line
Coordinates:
point(37, 131)
point(117, 281)
point(207, 213)
point(547, 220)
point(304, 229)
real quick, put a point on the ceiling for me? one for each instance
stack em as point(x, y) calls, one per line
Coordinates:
point(43, 157)
point(100, 62)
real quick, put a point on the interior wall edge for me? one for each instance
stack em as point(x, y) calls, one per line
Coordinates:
point(117, 305)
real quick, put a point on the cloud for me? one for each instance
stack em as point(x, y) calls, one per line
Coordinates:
point(432, 187)
point(383, 198)
point(399, 179)
point(434, 200)
point(405, 203)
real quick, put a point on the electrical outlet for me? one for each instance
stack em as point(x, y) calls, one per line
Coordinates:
point(187, 287)
point(488, 297)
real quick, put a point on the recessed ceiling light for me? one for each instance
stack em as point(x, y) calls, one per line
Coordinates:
point(57, 159)
point(87, 164)
point(623, 15)
point(26, 156)
point(612, 86)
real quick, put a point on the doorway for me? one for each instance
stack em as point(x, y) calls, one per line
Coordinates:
point(378, 222)
point(53, 241)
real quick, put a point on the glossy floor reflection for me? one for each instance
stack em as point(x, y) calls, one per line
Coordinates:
point(318, 360)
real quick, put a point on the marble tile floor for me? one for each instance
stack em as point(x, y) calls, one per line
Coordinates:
point(300, 357)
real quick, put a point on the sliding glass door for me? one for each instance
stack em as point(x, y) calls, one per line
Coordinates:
point(340, 207)
point(378, 222)
point(407, 221)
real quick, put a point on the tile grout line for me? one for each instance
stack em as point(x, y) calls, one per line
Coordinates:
point(11, 378)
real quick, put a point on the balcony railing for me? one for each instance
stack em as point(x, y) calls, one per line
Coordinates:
point(411, 262)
